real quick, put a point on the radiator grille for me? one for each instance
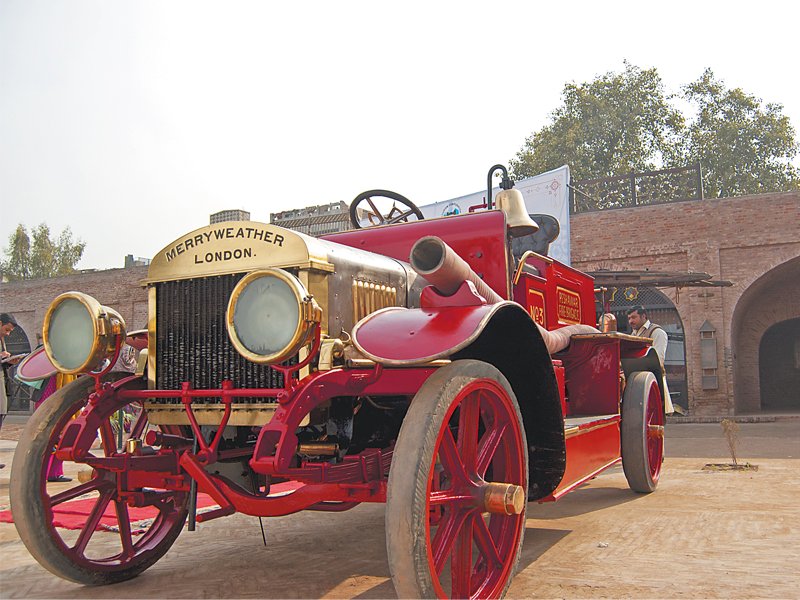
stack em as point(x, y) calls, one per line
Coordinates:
point(191, 340)
point(369, 297)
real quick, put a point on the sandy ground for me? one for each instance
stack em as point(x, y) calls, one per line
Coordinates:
point(701, 535)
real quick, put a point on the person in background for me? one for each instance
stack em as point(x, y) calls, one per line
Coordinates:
point(7, 325)
point(55, 467)
point(641, 326)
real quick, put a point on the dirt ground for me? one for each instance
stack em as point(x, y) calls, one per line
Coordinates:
point(703, 534)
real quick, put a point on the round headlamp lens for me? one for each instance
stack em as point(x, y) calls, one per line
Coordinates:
point(267, 315)
point(71, 334)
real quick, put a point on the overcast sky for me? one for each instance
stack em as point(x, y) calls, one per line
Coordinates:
point(131, 122)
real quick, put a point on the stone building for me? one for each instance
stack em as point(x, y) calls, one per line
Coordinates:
point(315, 220)
point(229, 215)
point(740, 345)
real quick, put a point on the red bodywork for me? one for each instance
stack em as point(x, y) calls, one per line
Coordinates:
point(456, 404)
point(559, 295)
point(588, 374)
point(588, 379)
point(524, 425)
point(478, 238)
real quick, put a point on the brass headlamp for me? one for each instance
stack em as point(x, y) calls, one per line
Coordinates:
point(270, 316)
point(79, 333)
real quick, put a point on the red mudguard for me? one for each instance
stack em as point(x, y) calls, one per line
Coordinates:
point(406, 336)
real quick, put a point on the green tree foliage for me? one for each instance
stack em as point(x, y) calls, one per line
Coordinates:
point(18, 265)
point(619, 123)
point(744, 148)
point(39, 255)
point(625, 122)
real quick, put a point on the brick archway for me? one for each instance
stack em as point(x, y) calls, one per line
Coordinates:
point(769, 300)
point(779, 367)
point(20, 395)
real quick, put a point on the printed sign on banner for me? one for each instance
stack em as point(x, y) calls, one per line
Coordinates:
point(546, 194)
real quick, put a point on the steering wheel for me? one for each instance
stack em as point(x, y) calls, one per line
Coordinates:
point(364, 204)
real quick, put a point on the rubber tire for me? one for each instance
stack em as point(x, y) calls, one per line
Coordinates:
point(25, 492)
point(634, 438)
point(406, 549)
point(385, 194)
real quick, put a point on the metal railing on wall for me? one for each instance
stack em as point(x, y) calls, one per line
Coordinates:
point(637, 189)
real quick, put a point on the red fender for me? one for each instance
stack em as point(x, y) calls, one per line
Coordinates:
point(409, 336)
point(35, 366)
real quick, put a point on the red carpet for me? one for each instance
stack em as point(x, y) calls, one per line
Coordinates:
point(72, 514)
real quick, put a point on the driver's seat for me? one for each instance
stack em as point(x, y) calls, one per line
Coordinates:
point(538, 241)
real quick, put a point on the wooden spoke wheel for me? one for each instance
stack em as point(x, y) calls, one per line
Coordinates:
point(364, 208)
point(102, 543)
point(642, 432)
point(457, 492)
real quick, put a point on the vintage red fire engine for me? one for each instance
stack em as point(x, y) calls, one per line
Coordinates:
point(430, 364)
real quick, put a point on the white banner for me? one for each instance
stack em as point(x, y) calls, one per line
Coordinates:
point(546, 194)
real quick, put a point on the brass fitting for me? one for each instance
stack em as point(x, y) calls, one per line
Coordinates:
point(503, 498)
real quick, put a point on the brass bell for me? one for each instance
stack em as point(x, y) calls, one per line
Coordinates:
point(518, 220)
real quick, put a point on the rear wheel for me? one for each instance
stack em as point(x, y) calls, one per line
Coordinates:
point(85, 532)
point(455, 513)
point(642, 432)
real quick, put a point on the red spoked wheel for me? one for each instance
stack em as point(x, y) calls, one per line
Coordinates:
point(642, 432)
point(457, 492)
point(102, 542)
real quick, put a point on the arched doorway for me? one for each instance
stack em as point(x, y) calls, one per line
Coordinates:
point(661, 310)
point(765, 308)
point(779, 367)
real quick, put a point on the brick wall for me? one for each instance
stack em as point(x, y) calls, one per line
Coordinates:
point(737, 239)
point(117, 288)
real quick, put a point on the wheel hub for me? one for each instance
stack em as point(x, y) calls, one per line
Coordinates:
point(655, 432)
point(503, 498)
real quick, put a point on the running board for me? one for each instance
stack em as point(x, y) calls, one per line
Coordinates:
point(593, 445)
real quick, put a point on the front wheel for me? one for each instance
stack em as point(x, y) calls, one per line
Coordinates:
point(455, 509)
point(642, 432)
point(85, 532)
